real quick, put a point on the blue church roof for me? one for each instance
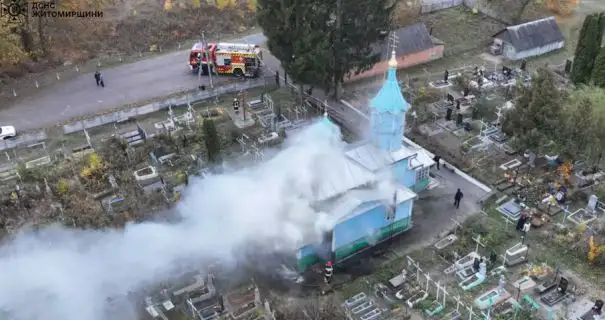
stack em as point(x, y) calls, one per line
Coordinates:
point(389, 98)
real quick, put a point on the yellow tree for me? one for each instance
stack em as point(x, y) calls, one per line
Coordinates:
point(222, 4)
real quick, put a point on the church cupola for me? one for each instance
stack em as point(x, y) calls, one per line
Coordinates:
point(388, 110)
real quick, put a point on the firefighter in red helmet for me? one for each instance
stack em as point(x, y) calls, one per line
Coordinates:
point(328, 272)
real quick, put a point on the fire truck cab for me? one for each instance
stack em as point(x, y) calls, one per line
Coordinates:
point(238, 59)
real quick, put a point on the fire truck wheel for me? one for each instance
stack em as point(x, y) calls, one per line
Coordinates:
point(238, 73)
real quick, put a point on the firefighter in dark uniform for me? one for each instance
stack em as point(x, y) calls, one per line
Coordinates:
point(328, 272)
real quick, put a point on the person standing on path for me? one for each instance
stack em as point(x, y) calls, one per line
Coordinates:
point(98, 77)
point(457, 198)
point(437, 160)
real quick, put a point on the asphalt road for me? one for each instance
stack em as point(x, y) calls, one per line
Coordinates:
point(125, 84)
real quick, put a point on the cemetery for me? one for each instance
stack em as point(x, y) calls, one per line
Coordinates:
point(101, 170)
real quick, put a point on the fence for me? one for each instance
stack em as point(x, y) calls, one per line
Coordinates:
point(124, 115)
point(26, 138)
point(32, 82)
point(435, 5)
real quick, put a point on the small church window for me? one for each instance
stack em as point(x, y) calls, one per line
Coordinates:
point(422, 174)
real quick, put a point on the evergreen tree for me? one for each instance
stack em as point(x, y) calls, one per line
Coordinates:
point(587, 49)
point(576, 139)
point(212, 141)
point(598, 73)
point(320, 42)
point(536, 119)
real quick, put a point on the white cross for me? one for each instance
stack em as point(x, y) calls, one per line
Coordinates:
point(394, 40)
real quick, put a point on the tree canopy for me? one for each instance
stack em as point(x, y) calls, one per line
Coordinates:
point(587, 49)
point(212, 141)
point(545, 119)
point(535, 121)
point(322, 42)
point(598, 73)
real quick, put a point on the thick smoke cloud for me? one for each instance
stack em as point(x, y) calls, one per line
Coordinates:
point(69, 274)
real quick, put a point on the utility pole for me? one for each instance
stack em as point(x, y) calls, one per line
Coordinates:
point(209, 63)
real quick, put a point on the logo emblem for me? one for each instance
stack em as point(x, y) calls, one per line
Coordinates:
point(13, 10)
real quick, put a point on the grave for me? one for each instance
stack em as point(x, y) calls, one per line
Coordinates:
point(446, 241)
point(134, 137)
point(363, 308)
point(491, 298)
point(528, 303)
point(510, 209)
point(516, 254)
point(440, 84)
point(499, 137)
point(454, 315)
point(476, 279)
point(436, 306)
point(595, 312)
point(582, 216)
point(524, 284)
point(81, 151)
point(145, 174)
point(371, 315)
point(268, 137)
point(161, 156)
point(557, 295)
point(511, 165)
point(463, 263)
point(416, 298)
point(355, 300)
point(507, 307)
point(113, 204)
point(42, 161)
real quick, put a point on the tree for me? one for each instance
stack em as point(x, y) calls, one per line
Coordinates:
point(11, 51)
point(578, 134)
point(322, 42)
point(587, 49)
point(596, 96)
point(598, 73)
point(212, 141)
point(535, 121)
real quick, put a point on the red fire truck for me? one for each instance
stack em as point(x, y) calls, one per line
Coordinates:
point(239, 59)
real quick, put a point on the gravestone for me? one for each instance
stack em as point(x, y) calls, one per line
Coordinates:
point(592, 203)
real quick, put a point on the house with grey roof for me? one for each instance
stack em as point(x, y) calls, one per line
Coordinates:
point(415, 45)
point(529, 39)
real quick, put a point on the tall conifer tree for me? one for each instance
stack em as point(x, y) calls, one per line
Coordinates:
point(587, 49)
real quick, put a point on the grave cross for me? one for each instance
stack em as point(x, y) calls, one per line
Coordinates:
point(477, 240)
point(393, 41)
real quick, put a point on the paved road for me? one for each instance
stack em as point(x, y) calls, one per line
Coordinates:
point(126, 84)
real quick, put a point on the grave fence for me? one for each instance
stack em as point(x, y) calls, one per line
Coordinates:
point(126, 114)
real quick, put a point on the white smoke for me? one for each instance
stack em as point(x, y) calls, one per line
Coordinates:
point(69, 274)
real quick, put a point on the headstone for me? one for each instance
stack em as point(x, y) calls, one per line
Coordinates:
point(524, 65)
point(459, 119)
point(466, 92)
point(482, 269)
point(446, 76)
point(448, 114)
point(592, 203)
point(236, 105)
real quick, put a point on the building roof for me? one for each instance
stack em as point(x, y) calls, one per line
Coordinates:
point(358, 201)
point(390, 98)
point(411, 39)
point(373, 159)
point(421, 160)
point(534, 34)
point(336, 182)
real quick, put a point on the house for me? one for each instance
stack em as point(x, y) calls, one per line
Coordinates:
point(363, 212)
point(415, 46)
point(529, 39)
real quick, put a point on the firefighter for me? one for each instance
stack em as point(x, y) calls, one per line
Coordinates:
point(236, 105)
point(328, 272)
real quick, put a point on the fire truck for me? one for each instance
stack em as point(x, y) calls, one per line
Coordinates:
point(238, 59)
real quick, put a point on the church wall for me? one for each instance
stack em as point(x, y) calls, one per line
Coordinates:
point(369, 228)
point(402, 174)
